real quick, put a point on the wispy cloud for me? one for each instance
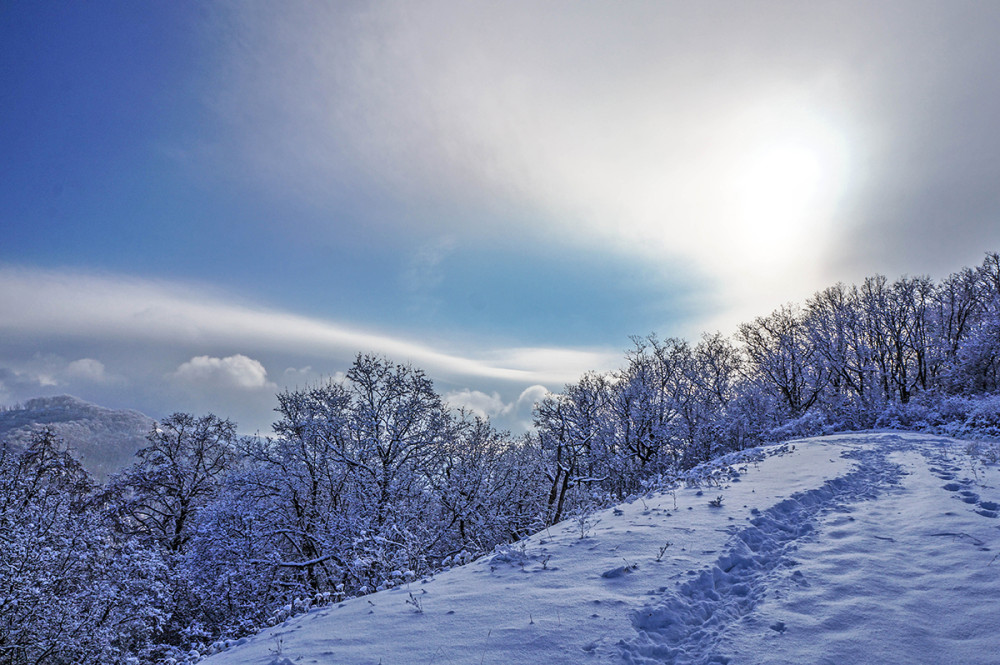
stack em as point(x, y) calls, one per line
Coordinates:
point(89, 369)
point(53, 304)
point(424, 272)
point(16, 382)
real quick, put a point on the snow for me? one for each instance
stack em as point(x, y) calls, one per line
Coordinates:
point(859, 548)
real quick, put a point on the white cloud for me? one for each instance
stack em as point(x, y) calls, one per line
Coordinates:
point(87, 369)
point(41, 373)
point(476, 402)
point(301, 377)
point(150, 327)
point(516, 414)
point(236, 371)
point(530, 395)
point(18, 384)
point(294, 374)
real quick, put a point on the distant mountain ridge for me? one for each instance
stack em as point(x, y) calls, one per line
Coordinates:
point(104, 440)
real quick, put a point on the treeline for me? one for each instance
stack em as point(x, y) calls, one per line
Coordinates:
point(366, 483)
point(372, 481)
point(911, 353)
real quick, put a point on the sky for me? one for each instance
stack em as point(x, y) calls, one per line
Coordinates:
point(203, 204)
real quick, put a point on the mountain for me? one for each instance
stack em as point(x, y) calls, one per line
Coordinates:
point(104, 440)
point(856, 548)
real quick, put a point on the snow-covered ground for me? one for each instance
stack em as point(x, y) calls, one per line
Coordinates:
point(858, 548)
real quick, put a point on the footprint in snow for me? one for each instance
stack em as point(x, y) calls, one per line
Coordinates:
point(693, 618)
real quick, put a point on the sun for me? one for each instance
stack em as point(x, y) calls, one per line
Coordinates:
point(780, 193)
point(782, 179)
point(785, 186)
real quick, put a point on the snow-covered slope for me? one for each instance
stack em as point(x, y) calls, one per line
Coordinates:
point(104, 440)
point(862, 548)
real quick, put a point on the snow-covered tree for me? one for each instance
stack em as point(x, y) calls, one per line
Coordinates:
point(712, 374)
point(975, 366)
point(346, 484)
point(488, 489)
point(70, 590)
point(572, 430)
point(783, 357)
point(177, 474)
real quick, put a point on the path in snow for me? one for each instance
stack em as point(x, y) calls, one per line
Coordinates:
point(861, 548)
point(830, 576)
point(687, 626)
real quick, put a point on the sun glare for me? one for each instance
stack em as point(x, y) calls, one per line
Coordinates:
point(786, 184)
point(782, 178)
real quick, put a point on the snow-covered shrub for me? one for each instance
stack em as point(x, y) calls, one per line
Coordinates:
point(910, 416)
point(811, 423)
point(950, 415)
point(984, 418)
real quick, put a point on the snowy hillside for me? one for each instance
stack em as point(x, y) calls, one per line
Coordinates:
point(858, 548)
point(104, 440)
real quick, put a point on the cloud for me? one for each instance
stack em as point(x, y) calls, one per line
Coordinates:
point(516, 414)
point(154, 329)
point(48, 305)
point(301, 377)
point(88, 369)
point(623, 133)
point(476, 402)
point(236, 371)
point(742, 140)
point(292, 375)
point(44, 373)
point(18, 384)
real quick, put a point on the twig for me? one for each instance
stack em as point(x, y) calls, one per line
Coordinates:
point(485, 644)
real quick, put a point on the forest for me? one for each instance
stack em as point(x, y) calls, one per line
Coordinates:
point(373, 481)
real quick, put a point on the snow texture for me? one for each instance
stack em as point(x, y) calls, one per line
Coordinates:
point(860, 548)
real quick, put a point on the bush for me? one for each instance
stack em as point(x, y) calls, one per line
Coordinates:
point(984, 419)
point(811, 423)
point(946, 415)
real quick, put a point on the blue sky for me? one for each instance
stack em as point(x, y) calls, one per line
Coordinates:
point(203, 203)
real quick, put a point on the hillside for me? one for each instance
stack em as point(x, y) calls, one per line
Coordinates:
point(104, 440)
point(857, 548)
